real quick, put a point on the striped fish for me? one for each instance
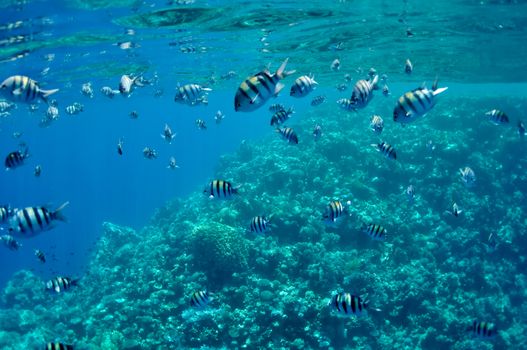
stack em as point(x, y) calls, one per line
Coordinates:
point(281, 116)
point(200, 123)
point(40, 255)
point(363, 92)
point(468, 176)
point(5, 213)
point(109, 92)
point(303, 86)
point(256, 90)
point(288, 134)
point(33, 220)
point(334, 210)
point(191, 94)
point(10, 242)
point(259, 224)
point(19, 88)
point(59, 284)
point(415, 104)
point(346, 304)
point(220, 189)
point(58, 346)
point(318, 100)
point(387, 150)
point(275, 107)
point(16, 159)
point(482, 330)
point(200, 299)
point(497, 117)
point(346, 104)
point(377, 232)
point(376, 124)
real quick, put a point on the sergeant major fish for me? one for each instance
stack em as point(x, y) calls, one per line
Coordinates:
point(482, 330)
point(200, 299)
point(282, 116)
point(200, 123)
point(58, 346)
point(415, 104)
point(15, 159)
point(19, 88)
point(288, 134)
point(375, 231)
point(33, 220)
point(318, 100)
point(468, 176)
point(256, 90)
point(275, 107)
point(363, 92)
point(109, 92)
point(172, 163)
point(59, 284)
point(220, 189)
point(10, 242)
point(346, 304)
point(259, 224)
point(497, 117)
point(40, 255)
point(334, 210)
point(149, 153)
point(167, 134)
point(376, 124)
point(191, 94)
point(303, 86)
point(387, 150)
point(346, 104)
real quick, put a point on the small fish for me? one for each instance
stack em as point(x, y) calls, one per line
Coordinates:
point(497, 117)
point(348, 78)
point(468, 176)
point(482, 330)
point(276, 107)
point(259, 224)
point(149, 153)
point(58, 346)
point(134, 115)
point(334, 210)
point(375, 231)
point(75, 108)
point(191, 94)
point(218, 117)
point(33, 107)
point(346, 304)
point(282, 116)
point(288, 134)
point(33, 220)
point(256, 90)
point(200, 123)
point(492, 243)
point(521, 129)
point(409, 33)
point(455, 210)
point(220, 189)
point(10, 242)
point(408, 67)
point(127, 83)
point(127, 45)
point(120, 147)
point(335, 65)
point(229, 75)
point(317, 132)
point(167, 134)
point(387, 150)
point(363, 92)
point(40, 255)
point(109, 92)
point(19, 88)
point(37, 171)
point(172, 163)
point(415, 104)
point(376, 124)
point(346, 104)
point(303, 86)
point(318, 100)
point(87, 90)
point(200, 299)
point(52, 114)
point(15, 159)
point(410, 194)
point(5, 213)
point(59, 284)
point(6, 106)
point(342, 87)
point(386, 90)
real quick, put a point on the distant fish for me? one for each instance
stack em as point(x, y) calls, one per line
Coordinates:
point(288, 134)
point(275, 107)
point(259, 224)
point(10, 242)
point(6, 106)
point(317, 132)
point(346, 104)
point(376, 124)
point(229, 75)
point(33, 220)
point(455, 210)
point(5, 213)
point(408, 67)
point(75, 108)
point(58, 346)
point(303, 86)
point(497, 117)
point(386, 90)
point(40, 255)
point(167, 134)
point(109, 92)
point(387, 150)
point(342, 87)
point(200, 123)
point(134, 115)
point(52, 114)
point(334, 210)
point(346, 304)
point(20, 88)
point(363, 92)
point(220, 189)
point(282, 116)
point(375, 231)
point(521, 129)
point(172, 163)
point(335, 65)
point(492, 243)
point(200, 299)
point(410, 193)
point(16, 159)
point(60, 284)
point(149, 153)
point(482, 330)
point(415, 104)
point(318, 100)
point(87, 90)
point(191, 94)
point(468, 176)
point(348, 78)
point(120, 147)
point(219, 116)
point(127, 83)
point(37, 171)
point(256, 90)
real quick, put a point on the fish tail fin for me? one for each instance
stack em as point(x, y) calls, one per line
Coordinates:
point(281, 72)
point(439, 90)
point(206, 89)
point(57, 215)
point(44, 94)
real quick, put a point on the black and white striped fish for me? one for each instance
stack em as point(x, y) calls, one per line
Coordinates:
point(375, 231)
point(415, 104)
point(33, 220)
point(363, 92)
point(109, 92)
point(40, 255)
point(275, 107)
point(259, 224)
point(346, 304)
point(303, 86)
point(282, 116)
point(75, 108)
point(346, 104)
point(482, 330)
point(200, 299)
point(318, 100)
point(16, 159)
point(376, 124)
point(200, 123)
point(220, 189)
point(20, 88)
point(387, 150)
point(288, 134)
point(167, 134)
point(59, 284)
point(10, 242)
point(334, 210)
point(256, 90)
point(58, 346)
point(497, 117)
point(191, 94)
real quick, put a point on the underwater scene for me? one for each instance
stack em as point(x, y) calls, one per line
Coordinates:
point(214, 174)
